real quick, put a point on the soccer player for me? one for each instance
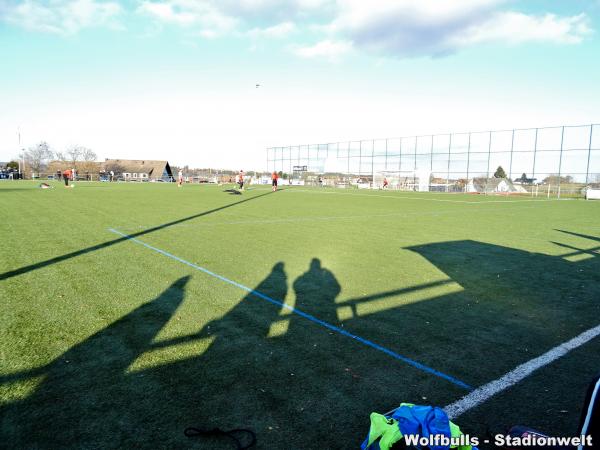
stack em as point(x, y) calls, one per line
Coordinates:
point(66, 175)
point(274, 178)
point(385, 183)
point(241, 180)
point(179, 178)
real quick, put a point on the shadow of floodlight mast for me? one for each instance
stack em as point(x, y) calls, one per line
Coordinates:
point(57, 259)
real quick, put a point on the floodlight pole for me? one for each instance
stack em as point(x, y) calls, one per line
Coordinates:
point(22, 159)
point(19, 147)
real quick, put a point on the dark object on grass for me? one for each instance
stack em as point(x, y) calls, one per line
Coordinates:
point(233, 191)
point(589, 424)
point(236, 435)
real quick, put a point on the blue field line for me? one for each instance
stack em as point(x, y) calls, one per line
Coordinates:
point(307, 316)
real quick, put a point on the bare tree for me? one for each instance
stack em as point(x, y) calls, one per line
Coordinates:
point(37, 157)
point(88, 154)
point(74, 153)
point(60, 156)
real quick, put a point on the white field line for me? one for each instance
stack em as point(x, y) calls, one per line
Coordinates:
point(485, 392)
point(394, 196)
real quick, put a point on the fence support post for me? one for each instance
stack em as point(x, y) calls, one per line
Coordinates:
point(468, 160)
point(372, 164)
point(415, 166)
point(512, 147)
point(562, 137)
point(534, 154)
point(400, 166)
point(431, 156)
point(359, 159)
point(587, 170)
point(348, 156)
point(448, 173)
point(488, 163)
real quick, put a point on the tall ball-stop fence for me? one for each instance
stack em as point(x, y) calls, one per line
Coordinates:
point(550, 161)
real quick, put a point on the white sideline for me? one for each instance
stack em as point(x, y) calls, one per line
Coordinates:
point(485, 392)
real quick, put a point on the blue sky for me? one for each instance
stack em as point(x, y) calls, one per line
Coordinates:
point(175, 79)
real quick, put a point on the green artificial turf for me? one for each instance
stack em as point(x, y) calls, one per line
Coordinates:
point(107, 343)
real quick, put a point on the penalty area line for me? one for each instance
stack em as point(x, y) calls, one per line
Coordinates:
point(300, 313)
point(485, 392)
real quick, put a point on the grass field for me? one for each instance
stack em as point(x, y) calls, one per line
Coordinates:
point(126, 314)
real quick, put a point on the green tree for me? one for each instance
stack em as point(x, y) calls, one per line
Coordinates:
point(13, 165)
point(555, 179)
point(500, 173)
point(524, 180)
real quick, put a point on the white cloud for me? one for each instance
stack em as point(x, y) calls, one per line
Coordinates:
point(266, 18)
point(516, 28)
point(166, 12)
point(327, 49)
point(267, 12)
point(406, 28)
point(276, 31)
point(61, 16)
point(202, 15)
point(399, 28)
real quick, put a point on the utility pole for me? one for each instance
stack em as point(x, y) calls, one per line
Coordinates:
point(22, 159)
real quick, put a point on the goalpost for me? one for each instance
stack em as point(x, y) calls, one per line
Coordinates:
point(405, 180)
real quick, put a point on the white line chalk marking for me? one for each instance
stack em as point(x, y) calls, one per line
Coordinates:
point(485, 392)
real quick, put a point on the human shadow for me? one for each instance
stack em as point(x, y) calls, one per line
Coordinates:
point(265, 368)
point(86, 398)
point(90, 399)
point(271, 369)
point(316, 291)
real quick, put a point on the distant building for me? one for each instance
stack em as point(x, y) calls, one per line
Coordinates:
point(139, 170)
